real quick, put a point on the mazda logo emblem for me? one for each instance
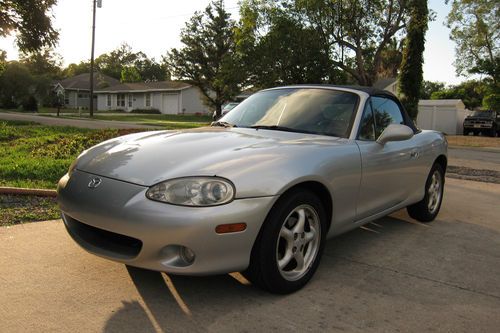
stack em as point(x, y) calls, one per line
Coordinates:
point(95, 182)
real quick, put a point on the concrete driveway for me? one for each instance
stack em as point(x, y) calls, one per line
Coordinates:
point(392, 275)
point(83, 123)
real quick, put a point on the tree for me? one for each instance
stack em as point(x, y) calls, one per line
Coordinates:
point(16, 85)
point(207, 60)
point(123, 58)
point(360, 38)
point(428, 87)
point(150, 70)
point(130, 74)
point(470, 92)
point(3, 60)
point(356, 33)
point(287, 54)
point(411, 76)
point(76, 69)
point(43, 62)
point(31, 20)
point(492, 102)
point(44, 66)
point(112, 63)
point(475, 28)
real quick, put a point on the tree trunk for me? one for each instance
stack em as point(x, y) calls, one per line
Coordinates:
point(218, 110)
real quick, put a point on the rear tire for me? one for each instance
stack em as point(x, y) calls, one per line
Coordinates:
point(428, 208)
point(290, 243)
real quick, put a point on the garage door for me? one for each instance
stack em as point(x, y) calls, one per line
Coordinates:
point(170, 104)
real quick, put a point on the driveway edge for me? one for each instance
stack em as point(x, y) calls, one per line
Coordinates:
point(28, 191)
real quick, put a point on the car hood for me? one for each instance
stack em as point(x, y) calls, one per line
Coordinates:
point(151, 157)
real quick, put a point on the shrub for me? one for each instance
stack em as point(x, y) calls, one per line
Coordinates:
point(30, 104)
point(146, 111)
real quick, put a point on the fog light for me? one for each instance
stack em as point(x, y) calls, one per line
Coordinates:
point(177, 256)
point(187, 255)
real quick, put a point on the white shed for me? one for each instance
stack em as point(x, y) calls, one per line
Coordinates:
point(445, 115)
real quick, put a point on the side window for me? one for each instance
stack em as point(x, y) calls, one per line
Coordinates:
point(367, 127)
point(386, 112)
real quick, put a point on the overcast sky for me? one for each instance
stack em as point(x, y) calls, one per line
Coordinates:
point(153, 26)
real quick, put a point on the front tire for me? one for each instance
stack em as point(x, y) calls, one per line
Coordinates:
point(428, 208)
point(289, 246)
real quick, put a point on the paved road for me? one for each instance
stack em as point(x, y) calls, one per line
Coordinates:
point(83, 123)
point(393, 275)
point(475, 158)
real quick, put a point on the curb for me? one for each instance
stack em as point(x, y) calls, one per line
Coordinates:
point(28, 191)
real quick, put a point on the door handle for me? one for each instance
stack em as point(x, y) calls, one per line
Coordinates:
point(414, 153)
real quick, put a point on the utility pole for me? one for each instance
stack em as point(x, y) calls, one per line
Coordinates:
point(91, 103)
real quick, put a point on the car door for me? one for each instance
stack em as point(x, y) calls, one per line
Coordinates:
point(386, 169)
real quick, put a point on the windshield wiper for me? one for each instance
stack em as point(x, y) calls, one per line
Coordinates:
point(222, 124)
point(281, 128)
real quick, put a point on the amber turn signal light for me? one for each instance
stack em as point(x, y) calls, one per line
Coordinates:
point(228, 228)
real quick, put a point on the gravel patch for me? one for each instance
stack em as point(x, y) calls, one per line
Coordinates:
point(478, 175)
point(17, 209)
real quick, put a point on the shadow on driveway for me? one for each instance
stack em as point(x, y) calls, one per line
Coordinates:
point(390, 264)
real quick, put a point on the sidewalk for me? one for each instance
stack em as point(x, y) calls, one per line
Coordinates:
point(82, 123)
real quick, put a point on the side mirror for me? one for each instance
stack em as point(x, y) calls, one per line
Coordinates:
point(395, 132)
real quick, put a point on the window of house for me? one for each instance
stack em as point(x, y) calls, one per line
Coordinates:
point(129, 100)
point(147, 100)
point(385, 112)
point(120, 100)
point(108, 102)
point(66, 98)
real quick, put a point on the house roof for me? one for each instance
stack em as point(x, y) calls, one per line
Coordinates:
point(145, 86)
point(82, 82)
point(441, 102)
point(384, 82)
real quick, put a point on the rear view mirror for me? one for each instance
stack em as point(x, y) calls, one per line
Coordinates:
point(395, 132)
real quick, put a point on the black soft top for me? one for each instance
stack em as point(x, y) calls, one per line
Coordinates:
point(369, 90)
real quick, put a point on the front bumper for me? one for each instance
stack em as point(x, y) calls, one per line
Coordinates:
point(116, 221)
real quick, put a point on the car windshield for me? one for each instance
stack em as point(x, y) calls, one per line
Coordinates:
point(483, 114)
point(229, 106)
point(305, 110)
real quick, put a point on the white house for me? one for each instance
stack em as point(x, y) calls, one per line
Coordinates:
point(76, 89)
point(445, 115)
point(168, 97)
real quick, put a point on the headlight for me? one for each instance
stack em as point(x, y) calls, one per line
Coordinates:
point(193, 191)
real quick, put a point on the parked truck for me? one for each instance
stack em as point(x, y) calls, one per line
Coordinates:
point(484, 122)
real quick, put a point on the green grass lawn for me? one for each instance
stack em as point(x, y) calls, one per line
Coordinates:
point(36, 156)
point(167, 121)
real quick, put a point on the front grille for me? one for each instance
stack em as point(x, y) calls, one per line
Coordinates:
point(102, 241)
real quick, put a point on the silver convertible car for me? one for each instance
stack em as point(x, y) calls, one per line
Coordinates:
point(260, 190)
